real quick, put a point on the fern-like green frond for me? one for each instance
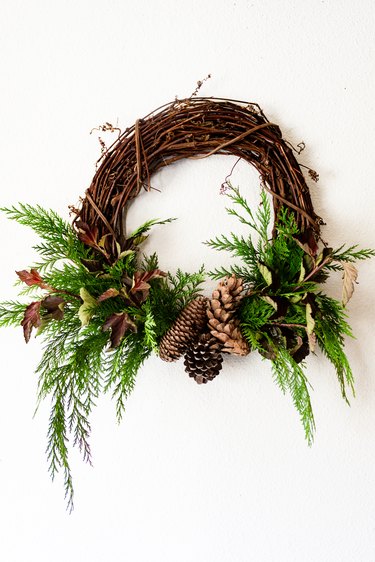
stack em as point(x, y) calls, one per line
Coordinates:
point(149, 263)
point(11, 313)
point(145, 227)
point(352, 254)
point(237, 246)
point(121, 367)
point(255, 312)
point(331, 328)
point(150, 327)
point(263, 217)
point(289, 375)
point(59, 241)
point(249, 277)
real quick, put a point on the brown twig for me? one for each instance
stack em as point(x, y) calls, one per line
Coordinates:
point(285, 325)
point(196, 127)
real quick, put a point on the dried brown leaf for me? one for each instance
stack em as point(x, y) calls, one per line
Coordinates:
point(310, 322)
point(312, 341)
point(349, 278)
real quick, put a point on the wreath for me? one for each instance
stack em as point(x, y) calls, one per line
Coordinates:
point(102, 307)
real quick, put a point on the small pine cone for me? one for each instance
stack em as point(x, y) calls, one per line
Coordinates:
point(230, 336)
point(187, 327)
point(203, 360)
point(226, 297)
point(221, 322)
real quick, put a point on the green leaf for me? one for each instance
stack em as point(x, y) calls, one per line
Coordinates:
point(290, 375)
point(59, 239)
point(266, 273)
point(86, 310)
point(352, 254)
point(125, 253)
point(138, 240)
point(269, 300)
point(331, 328)
point(103, 240)
point(150, 327)
point(310, 322)
point(302, 273)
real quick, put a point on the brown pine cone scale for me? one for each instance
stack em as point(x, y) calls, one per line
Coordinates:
point(221, 316)
point(203, 360)
point(186, 329)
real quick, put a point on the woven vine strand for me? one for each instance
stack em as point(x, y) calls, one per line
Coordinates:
point(195, 128)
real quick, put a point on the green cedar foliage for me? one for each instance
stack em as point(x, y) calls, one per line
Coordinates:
point(284, 314)
point(99, 319)
point(170, 295)
point(58, 239)
point(11, 313)
point(79, 361)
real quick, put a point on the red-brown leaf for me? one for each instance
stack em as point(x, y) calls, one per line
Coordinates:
point(141, 281)
point(108, 294)
point(307, 241)
point(119, 323)
point(92, 265)
point(31, 278)
point(87, 235)
point(54, 306)
point(31, 319)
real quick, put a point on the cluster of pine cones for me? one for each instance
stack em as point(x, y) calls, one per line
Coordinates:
point(204, 330)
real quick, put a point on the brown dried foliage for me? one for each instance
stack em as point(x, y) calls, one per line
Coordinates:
point(193, 128)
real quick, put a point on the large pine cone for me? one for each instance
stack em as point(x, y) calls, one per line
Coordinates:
point(221, 322)
point(186, 329)
point(203, 360)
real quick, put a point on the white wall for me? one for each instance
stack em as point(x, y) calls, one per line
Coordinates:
point(219, 473)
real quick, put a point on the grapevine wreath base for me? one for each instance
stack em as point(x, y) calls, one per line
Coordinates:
point(101, 307)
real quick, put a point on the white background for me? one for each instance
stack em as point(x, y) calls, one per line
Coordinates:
point(218, 473)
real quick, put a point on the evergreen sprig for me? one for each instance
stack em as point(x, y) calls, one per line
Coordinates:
point(241, 247)
point(284, 313)
point(79, 360)
point(11, 313)
point(58, 239)
point(331, 328)
point(290, 377)
point(352, 254)
point(169, 295)
point(100, 318)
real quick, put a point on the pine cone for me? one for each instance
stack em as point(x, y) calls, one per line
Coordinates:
point(203, 360)
point(185, 330)
point(221, 321)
